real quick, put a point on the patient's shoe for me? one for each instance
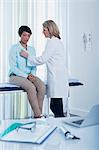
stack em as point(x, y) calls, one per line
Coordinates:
point(40, 116)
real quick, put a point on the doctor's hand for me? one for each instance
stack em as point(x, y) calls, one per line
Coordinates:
point(24, 54)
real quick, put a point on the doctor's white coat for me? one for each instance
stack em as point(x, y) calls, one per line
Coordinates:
point(54, 56)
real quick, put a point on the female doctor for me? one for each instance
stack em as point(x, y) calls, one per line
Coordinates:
point(54, 56)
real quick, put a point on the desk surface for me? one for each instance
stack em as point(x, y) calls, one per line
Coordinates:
point(89, 137)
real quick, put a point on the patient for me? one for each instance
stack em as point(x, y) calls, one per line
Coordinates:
point(23, 74)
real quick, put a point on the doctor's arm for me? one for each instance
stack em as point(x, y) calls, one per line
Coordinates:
point(24, 54)
point(46, 55)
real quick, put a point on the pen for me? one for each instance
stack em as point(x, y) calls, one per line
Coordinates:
point(68, 134)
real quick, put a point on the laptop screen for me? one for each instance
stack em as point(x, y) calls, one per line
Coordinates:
point(78, 121)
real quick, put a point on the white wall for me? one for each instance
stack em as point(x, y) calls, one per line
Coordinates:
point(97, 43)
point(84, 63)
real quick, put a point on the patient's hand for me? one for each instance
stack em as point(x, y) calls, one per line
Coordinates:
point(31, 77)
point(24, 54)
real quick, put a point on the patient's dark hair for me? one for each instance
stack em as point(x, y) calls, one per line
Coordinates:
point(24, 28)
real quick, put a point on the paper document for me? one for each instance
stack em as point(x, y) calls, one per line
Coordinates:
point(23, 134)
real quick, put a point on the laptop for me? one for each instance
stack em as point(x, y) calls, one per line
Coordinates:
point(92, 118)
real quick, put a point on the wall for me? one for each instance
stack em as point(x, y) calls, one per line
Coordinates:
point(97, 43)
point(83, 57)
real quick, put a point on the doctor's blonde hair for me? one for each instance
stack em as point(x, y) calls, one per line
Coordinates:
point(52, 28)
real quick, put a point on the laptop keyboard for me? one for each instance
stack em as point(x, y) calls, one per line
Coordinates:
point(78, 121)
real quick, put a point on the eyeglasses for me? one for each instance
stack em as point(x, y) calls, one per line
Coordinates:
point(32, 128)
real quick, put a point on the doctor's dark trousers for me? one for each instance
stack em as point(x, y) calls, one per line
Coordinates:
point(56, 105)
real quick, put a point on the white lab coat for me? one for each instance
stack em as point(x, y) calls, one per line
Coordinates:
point(54, 56)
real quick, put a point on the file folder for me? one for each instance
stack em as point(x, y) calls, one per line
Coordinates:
point(38, 136)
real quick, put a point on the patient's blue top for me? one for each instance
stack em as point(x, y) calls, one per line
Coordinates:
point(20, 66)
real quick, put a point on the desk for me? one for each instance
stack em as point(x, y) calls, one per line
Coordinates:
point(56, 141)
